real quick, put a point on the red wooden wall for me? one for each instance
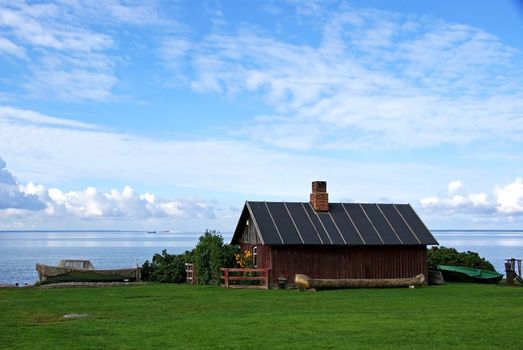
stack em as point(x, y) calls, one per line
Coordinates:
point(341, 261)
point(348, 262)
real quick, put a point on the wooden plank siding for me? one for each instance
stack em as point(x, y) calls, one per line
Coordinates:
point(347, 262)
point(264, 254)
point(340, 261)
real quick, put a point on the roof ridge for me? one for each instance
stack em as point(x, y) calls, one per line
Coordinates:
point(306, 202)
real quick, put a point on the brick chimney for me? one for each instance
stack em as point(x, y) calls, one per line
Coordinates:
point(319, 196)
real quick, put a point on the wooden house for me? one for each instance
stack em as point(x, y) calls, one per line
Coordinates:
point(333, 240)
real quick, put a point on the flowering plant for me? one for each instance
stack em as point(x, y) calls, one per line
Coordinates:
point(244, 259)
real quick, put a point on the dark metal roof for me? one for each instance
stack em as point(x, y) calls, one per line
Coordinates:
point(296, 223)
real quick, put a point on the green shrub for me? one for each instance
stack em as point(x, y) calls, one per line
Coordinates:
point(450, 256)
point(208, 256)
point(166, 268)
point(145, 271)
point(169, 268)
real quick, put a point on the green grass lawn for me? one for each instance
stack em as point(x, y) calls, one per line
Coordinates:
point(454, 316)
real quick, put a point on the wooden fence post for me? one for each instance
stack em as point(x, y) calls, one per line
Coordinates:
point(510, 273)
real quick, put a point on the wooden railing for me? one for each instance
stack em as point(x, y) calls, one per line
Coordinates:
point(231, 276)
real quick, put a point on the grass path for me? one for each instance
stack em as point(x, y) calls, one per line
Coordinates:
point(454, 316)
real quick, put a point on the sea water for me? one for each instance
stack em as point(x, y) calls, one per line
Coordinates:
point(21, 250)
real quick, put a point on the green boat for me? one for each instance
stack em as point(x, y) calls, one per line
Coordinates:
point(83, 271)
point(467, 274)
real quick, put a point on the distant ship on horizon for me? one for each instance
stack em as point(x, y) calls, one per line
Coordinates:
point(163, 231)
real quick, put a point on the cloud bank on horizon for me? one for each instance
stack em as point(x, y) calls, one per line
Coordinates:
point(505, 201)
point(222, 103)
point(38, 203)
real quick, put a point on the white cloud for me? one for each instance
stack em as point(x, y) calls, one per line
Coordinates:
point(172, 52)
point(60, 151)
point(11, 197)
point(46, 26)
point(375, 80)
point(72, 84)
point(8, 47)
point(478, 199)
point(510, 197)
point(202, 166)
point(21, 205)
point(66, 59)
point(95, 209)
point(69, 55)
point(17, 115)
point(505, 201)
point(92, 203)
point(116, 11)
point(454, 186)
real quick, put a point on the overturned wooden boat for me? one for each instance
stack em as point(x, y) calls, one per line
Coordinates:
point(305, 282)
point(468, 274)
point(84, 271)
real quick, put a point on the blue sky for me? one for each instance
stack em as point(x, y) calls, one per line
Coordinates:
point(170, 114)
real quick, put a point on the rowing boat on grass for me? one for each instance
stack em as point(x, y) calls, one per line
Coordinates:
point(83, 271)
point(468, 274)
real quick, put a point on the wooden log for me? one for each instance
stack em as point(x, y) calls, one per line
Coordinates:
point(305, 282)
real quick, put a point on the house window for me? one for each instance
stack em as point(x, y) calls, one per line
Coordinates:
point(255, 256)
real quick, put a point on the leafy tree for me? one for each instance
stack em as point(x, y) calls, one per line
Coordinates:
point(450, 256)
point(210, 254)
